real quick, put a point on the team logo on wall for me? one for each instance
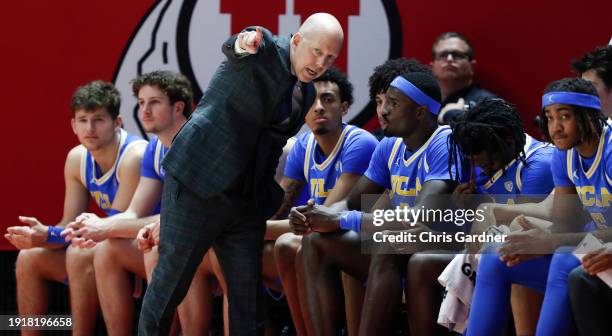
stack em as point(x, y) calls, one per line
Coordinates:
point(186, 36)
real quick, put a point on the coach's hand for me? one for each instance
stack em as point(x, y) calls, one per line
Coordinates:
point(250, 40)
point(25, 237)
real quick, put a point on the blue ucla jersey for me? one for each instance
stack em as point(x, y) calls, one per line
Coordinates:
point(404, 172)
point(590, 176)
point(104, 187)
point(351, 154)
point(151, 163)
point(518, 179)
point(152, 158)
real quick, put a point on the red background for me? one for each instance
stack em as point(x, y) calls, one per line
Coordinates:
point(51, 47)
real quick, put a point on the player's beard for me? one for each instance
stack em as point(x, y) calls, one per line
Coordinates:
point(321, 131)
point(387, 132)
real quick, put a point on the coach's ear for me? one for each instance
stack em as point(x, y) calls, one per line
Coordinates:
point(296, 39)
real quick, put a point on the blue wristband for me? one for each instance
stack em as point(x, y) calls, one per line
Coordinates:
point(54, 235)
point(351, 220)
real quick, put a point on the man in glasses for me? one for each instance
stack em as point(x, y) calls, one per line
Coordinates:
point(453, 66)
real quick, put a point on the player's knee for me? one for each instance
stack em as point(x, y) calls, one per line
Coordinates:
point(285, 249)
point(313, 246)
point(577, 281)
point(79, 260)
point(417, 266)
point(383, 264)
point(27, 263)
point(491, 265)
point(150, 260)
point(107, 254)
point(322, 243)
point(268, 249)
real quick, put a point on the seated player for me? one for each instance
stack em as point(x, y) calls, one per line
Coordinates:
point(591, 297)
point(381, 78)
point(327, 161)
point(511, 167)
point(581, 165)
point(106, 165)
point(410, 164)
point(164, 100)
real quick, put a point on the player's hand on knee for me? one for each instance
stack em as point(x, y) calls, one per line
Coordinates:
point(24, 237)
point(90, 227)
point(143, 239)
point(598, 260)
point(83, 243)
point(146, 237)
point(321, 218)
point(155, 233)
point(298, 221)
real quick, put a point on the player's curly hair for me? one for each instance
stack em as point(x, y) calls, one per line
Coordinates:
point(176, 86)
point(95, 95)
point(344, 86)
point(599, 60)
point(385, 73)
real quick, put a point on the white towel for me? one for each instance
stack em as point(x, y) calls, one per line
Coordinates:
point(457, 278)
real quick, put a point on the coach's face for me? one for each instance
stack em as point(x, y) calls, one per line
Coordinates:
point(313, 53)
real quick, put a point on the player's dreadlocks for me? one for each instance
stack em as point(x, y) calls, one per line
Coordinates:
point(493, 126)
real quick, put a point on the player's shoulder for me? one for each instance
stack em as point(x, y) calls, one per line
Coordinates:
point(76, 154)
point(135, 146)
point(357, 134)
point(133, 153)
point(153, 142)
point(440, 136)
point(389, 145)
point(75, 160)
point(302, 139)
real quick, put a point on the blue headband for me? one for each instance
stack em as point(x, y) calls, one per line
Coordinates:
point(416, 94)
point(571, 98)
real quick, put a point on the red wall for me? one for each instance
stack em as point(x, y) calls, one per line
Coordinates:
point(51, 47)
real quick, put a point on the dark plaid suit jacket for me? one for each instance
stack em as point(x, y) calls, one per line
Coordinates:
point(228, 151)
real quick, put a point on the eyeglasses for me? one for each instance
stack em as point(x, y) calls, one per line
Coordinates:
point(457, 55)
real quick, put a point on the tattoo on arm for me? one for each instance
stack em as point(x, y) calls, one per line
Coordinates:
point(292, 191)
